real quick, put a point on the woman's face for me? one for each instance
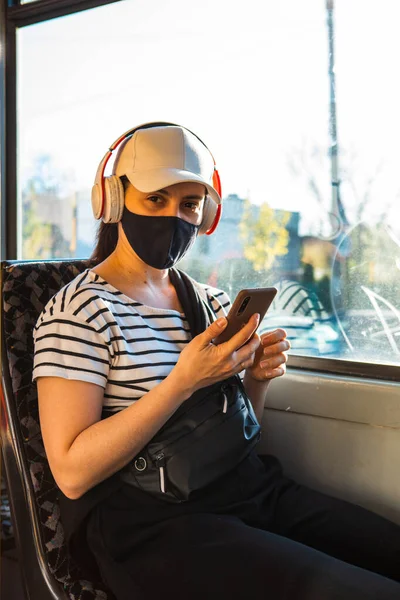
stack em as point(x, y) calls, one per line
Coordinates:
point(184, 200)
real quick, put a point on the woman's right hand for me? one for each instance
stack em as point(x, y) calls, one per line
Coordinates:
point(202, 363)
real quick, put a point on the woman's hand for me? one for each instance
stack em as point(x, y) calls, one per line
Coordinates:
point(202, 363)
point(271, 356)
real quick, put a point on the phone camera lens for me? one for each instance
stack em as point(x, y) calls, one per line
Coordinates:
point(243, 305)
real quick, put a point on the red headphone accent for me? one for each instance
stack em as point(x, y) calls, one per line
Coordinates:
point(217, 186)
point(104, 161)
point(216, 220)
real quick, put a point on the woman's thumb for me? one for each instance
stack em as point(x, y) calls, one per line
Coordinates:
point(214, 330)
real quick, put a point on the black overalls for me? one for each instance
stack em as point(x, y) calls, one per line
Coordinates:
point(254, 533)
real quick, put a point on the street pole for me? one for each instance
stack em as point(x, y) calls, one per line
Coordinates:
point(336, 205)
point(339, 288)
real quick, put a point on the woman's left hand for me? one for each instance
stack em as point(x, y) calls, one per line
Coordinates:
point(270, 357)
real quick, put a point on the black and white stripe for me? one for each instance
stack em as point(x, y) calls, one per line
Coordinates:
point(92, 332)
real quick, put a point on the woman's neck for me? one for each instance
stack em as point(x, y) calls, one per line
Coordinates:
point(124, 270)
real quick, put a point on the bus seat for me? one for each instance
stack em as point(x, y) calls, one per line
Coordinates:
point(49, 572)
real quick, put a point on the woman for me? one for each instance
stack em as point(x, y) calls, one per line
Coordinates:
point(115, 342)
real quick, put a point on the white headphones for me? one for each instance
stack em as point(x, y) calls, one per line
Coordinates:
point(108, 196)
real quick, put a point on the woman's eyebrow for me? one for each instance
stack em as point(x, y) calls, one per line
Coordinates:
point(188, 197)
point(193, 197)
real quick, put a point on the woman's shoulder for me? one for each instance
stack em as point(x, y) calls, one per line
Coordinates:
point(218, 298)
point(80, 298)
point(211, 291)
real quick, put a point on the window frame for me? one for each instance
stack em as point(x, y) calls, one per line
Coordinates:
point(337, 366)
point(14, 15)
point(42, 10)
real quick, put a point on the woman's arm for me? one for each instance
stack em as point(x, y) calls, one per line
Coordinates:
point(257, 392)
point(269, 362)
point(83, 450)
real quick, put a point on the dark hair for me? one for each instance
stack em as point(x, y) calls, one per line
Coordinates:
point(107, 235)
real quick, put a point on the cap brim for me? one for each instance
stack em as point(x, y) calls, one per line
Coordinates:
point(156, 179)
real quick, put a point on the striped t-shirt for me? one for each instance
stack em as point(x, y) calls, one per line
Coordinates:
point(92, 332)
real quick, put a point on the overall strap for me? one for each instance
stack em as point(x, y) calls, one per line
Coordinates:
point(199, 312)
point(196, 310)
point(199, 315)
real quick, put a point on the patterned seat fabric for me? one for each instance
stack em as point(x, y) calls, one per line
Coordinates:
point(27, 287)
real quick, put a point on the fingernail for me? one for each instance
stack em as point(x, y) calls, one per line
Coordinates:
point(220, 322)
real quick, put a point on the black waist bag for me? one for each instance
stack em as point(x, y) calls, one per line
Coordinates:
point(209, 434)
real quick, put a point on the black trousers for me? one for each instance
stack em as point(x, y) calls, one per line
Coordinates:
point(254, 533)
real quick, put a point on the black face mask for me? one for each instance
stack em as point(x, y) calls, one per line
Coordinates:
point(159, 241)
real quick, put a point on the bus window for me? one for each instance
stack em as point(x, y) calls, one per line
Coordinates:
point(292, 109)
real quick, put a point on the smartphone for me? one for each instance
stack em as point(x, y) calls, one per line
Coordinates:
point(247, 302)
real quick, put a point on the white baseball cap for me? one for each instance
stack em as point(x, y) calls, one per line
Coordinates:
point(157, 157)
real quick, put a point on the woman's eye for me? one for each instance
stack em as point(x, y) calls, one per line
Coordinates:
point(154, 199)
point(192, 205)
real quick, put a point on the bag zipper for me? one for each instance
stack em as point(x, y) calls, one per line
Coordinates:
point(160, 463)
point(225, 397)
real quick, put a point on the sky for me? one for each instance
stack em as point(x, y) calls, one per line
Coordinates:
point(251, 79)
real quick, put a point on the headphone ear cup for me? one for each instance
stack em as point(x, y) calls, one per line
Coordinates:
point(96, 201)
point(114, 198)
point(209, 214)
